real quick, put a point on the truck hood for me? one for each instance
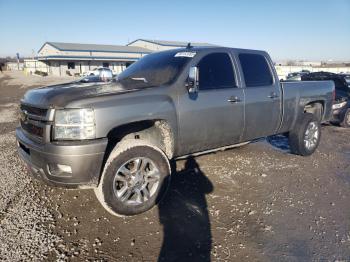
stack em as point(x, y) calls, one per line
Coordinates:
point(61, 95)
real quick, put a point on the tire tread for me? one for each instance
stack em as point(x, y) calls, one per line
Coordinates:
point(296, 136)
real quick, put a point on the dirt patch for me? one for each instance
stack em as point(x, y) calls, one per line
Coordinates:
point(21, 80)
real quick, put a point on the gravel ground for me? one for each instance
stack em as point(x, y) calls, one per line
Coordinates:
point(255, 203)
point(25, 223)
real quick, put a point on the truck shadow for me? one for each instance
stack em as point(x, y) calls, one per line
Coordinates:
point(280, 142)
point(184, 216)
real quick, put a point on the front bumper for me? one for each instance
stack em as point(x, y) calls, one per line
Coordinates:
point(85, 160)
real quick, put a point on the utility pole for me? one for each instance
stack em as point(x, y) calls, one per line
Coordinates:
point(17, 54)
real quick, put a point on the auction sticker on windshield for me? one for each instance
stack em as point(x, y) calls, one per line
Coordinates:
point(185, 54)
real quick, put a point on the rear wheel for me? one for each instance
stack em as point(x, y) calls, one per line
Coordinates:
point(346, 120)
point(135, 177)
point(305, 137)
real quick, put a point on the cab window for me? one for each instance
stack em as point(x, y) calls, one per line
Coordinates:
point(216, 71)
point(256, 70)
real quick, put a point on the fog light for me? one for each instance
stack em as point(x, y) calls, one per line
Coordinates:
point(60, 170)
point(64, 168)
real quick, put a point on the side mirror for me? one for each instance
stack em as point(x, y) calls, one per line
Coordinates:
point(192, 81)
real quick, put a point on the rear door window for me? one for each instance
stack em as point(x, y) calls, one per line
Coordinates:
point(216, 71)
point(256, 70)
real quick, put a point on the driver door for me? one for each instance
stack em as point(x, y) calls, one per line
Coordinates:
point(212, 117)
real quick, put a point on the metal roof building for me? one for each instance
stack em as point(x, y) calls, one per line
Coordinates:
point(74, 59)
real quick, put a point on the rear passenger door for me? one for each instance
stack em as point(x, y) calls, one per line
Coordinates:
point(213, 117)
point(262, 96)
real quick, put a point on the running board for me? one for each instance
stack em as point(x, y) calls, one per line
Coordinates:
point(212, 150)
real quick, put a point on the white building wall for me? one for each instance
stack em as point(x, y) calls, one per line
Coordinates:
point(54, 68)
point(32, 65)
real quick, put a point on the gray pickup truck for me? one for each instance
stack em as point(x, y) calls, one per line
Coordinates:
point(118, 137)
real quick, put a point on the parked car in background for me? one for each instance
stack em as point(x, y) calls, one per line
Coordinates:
point(94, 79)
point(341, 106)
point(347, 77)
point(296, 76)
point(97, 71)
point(98, 75)
point(119, 138)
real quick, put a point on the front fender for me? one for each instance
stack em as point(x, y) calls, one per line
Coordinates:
point(134, 109)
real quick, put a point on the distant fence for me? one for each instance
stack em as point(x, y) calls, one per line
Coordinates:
point(13, 66)
point(32, 65)
point(29, 66)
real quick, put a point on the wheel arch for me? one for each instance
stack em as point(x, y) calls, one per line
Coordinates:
point(157, 131)
point(316, 108)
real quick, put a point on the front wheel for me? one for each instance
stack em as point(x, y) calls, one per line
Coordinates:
point(135, 177)
point(306, 135)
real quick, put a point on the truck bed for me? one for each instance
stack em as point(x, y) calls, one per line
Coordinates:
point(298, 94)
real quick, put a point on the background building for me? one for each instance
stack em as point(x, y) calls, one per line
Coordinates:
point(74, 59)
point(61, 59)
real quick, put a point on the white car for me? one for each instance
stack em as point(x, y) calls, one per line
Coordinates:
point(98, 75)
point(97, 71)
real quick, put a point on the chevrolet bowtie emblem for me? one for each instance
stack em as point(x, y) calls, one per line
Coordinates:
point(24, 115)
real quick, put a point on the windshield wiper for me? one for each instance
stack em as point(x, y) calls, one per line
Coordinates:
point(126, 79)
point(139, 79)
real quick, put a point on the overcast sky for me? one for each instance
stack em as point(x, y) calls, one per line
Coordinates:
point(299, 29)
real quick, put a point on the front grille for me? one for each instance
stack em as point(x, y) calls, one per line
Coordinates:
point(34, 120)
point(35, 130)
point(34, 110)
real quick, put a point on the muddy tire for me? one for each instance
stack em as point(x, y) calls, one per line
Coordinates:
point(135, 177)
point(318, 112)
point(306, 135)
point(346, 120)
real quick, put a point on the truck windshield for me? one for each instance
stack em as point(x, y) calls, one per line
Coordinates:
point(153, 70)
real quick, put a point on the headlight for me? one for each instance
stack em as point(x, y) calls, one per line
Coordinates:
point(74, 124)
point(340, 105)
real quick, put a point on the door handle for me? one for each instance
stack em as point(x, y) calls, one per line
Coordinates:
point(273, 95)
point(234, 99)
